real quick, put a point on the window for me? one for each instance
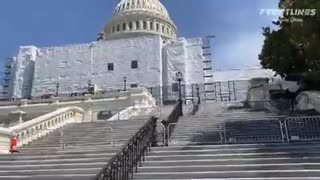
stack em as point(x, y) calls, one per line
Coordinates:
point(134, 85)
point(112, 28)
point(144, 25)
point(157, 26)
point(124, 26)
point(130, 25)
point(137, 25)
point(163, 28)
point(134, 64)
point(175, 87)
point(110, 66)
point(151, 25)
point(118, 27)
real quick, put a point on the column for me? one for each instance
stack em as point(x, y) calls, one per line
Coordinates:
point(148, 24)
point(134, 25)
point(140, 24)
point(154, 25)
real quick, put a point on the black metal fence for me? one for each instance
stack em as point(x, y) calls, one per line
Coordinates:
point(125, 163)
point(172, 119)
point(302, 128)
point(253, 131)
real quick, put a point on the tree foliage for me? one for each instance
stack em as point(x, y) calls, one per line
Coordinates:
point(294, 47)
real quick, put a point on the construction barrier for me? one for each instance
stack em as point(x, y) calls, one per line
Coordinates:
point(302, 128)
point(253, 131)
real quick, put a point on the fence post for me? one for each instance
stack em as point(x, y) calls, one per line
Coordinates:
point(286, 129)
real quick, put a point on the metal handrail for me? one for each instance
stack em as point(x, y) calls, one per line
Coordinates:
point(124, 163)
point(173, 118)
point(164, 133)
point(169, 132)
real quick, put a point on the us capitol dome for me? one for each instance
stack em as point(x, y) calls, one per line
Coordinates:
point(132, 18)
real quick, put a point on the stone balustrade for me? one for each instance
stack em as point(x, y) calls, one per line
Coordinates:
point(137, 110)
point(66, 100)
point(31, 130)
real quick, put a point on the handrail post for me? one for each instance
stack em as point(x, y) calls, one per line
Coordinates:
point(169, 133)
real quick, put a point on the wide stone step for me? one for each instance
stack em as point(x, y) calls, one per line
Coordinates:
point(53, 166)
point(76, 137)
point(60, 156)
point(49, 171)
point(225, 151)
point(238, 167)
point(264, 178)
point(92, 132)
point(53, 176)
point(236, 161)
point(71, 145)
point(65, 151)
point(85, 140)
point(236, 146)
point(28, 149)
point(232, 156)
point(55, 161)
point(229, 174)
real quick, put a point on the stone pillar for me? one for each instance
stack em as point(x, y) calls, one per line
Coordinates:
point(134, 25)
point(148, 24)
point(88, 114)
point(154, 25)
point(15, 117)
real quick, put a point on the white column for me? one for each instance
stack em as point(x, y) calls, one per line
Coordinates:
point(148, 24)
point(134, 27)
point(154, 25)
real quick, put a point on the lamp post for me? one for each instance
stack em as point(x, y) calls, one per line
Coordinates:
point(57, 89)
point(179, 78)
point(124, 83)
point(198, 93)
point(89, 86)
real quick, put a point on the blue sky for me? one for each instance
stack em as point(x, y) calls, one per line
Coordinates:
point(235, 23)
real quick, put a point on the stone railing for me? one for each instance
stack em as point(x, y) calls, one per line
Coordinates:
point(38, 127)
point(133, 111)
point(139, 95)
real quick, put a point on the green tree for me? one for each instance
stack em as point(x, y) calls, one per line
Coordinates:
point(294, 47)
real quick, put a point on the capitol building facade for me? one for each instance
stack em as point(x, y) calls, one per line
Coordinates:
point(139, 46)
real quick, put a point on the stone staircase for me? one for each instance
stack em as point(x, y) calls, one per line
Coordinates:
point(207, 127)
point(75, 151)
point(201, 150)
point(232, 162)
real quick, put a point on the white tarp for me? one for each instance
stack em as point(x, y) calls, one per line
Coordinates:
point(185, 56)
point(242, 74)
point(23, 72)
point(74, 65)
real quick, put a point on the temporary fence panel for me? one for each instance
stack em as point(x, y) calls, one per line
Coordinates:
point(302, 128)
point(253, 131)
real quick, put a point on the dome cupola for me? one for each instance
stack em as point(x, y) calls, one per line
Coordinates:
point(133, 18)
